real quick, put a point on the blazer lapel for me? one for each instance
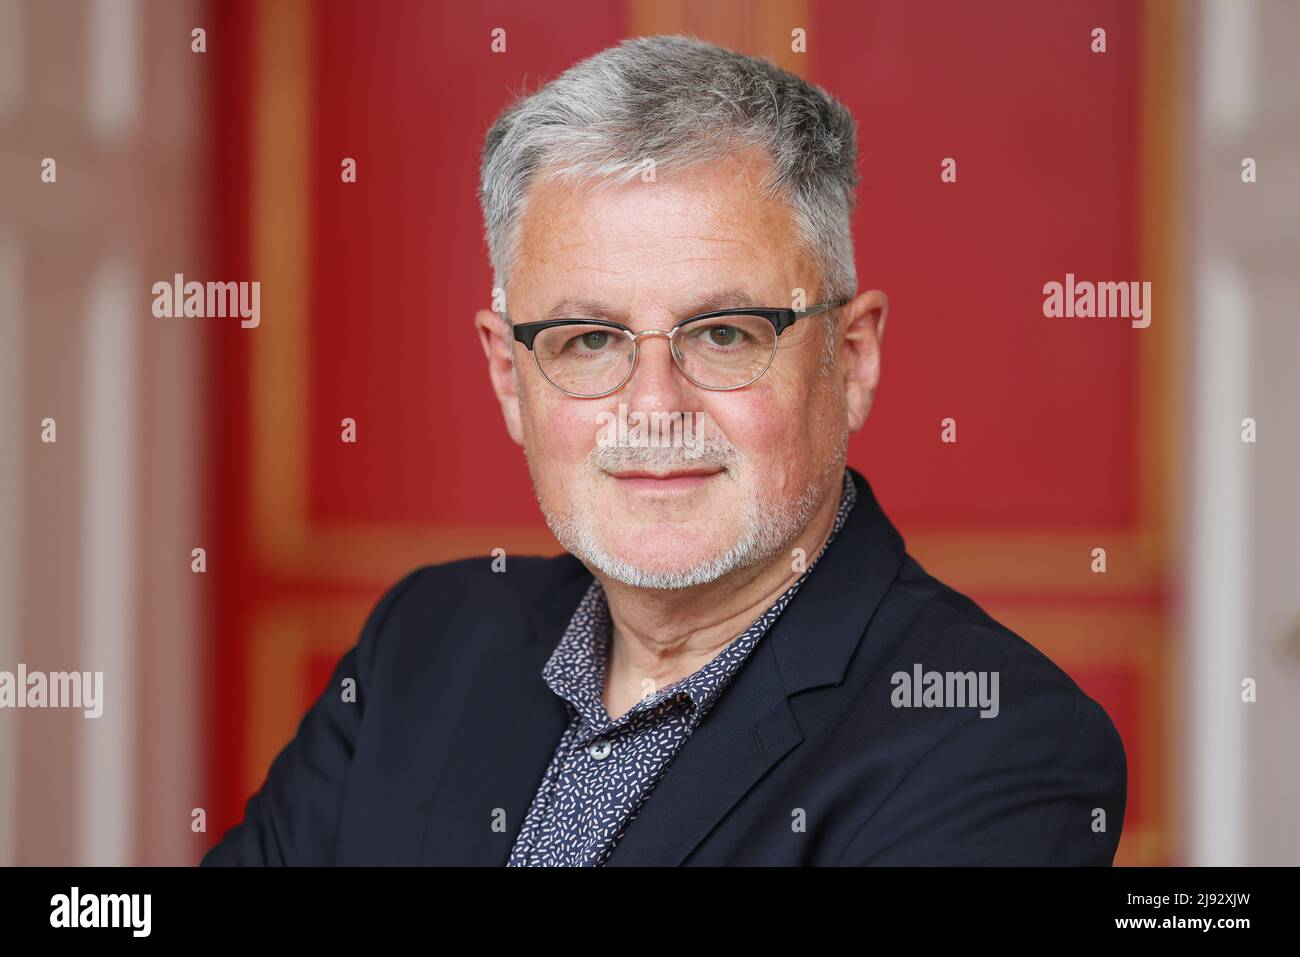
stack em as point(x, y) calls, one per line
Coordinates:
point(748, 730)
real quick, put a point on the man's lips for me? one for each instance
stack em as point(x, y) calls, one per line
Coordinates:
point(675, 479)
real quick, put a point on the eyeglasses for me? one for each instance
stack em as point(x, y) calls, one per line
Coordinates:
point(722, 350)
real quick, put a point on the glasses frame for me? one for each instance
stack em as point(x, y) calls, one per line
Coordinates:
point(781, 319)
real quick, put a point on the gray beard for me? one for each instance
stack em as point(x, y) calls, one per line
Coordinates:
point(765, 530)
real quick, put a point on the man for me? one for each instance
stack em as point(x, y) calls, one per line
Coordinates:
point(737, 662)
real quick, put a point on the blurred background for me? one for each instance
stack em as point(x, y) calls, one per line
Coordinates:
point(223, 164)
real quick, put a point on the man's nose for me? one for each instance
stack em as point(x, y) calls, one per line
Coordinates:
point(657, 383)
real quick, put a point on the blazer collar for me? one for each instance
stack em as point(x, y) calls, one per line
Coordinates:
point(821, 628)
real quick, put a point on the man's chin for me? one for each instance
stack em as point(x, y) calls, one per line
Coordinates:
point(663, 546)
point(664, 576)
point(660, 565)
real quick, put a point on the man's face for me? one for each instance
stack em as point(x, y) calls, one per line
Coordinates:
point(660, 513)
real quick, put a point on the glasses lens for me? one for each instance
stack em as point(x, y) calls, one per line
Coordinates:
point(582, 359)
point(724, 352)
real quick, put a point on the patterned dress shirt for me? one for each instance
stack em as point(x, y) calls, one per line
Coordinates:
point(603, 770)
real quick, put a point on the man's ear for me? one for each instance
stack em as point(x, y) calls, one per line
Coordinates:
point(499, 347)
point(864, 318)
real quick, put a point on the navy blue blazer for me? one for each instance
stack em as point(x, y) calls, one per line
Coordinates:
point(808, 757)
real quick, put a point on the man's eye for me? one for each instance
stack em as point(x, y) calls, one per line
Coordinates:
point(723, 335)
point(592, 341)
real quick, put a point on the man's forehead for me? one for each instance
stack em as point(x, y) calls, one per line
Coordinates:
point(718, 208)
point(605, 253)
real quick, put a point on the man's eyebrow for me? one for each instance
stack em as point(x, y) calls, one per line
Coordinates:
point(581, 307)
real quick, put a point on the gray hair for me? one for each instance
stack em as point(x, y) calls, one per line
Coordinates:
point(679, 101)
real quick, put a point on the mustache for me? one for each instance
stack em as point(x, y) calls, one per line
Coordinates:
point(710, 448)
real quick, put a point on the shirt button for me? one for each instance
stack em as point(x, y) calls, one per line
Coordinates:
point(599, 749)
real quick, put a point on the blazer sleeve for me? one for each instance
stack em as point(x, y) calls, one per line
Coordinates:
point(293, 818)
point(1041, 785)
